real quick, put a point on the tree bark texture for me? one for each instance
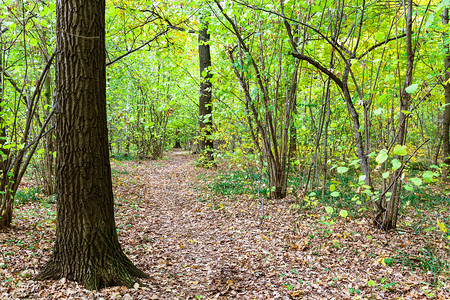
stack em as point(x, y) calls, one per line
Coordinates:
point(87, 249)
point(205, 101)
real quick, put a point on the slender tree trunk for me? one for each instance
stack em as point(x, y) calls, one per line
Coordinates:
point(49, 173)
point(389, 220)
point(446, 116)
point(205, 101)
point(5, 198)
point(87, 249)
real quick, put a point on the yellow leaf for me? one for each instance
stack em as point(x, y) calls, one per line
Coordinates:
point(442, 226)
point(380, 260)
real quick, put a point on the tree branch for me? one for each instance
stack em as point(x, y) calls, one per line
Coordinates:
point(321, 68)
point(381, 44)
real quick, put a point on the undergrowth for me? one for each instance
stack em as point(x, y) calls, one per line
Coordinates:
point(27, 195)
point(124, 157)
point(252, 182)
point(426, 260)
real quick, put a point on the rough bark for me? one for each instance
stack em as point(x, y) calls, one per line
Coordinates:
point(446, 116)
point(205, 101)
point(87, 249)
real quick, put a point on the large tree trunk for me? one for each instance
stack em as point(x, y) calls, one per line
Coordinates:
point(87, 249)
point(446, 116)
point(205, 103)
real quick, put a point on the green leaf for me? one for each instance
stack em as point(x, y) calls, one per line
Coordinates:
point(342, 170)
point(396, 164)
point(343, 213)
point(379, 36)
point(12, 26)
point(33, 42)
point(408, 187)
point(382, 156)
point(417, 181)
point(388, 261)
point(386, 174)
point(371, 283)
point(412, 88)
point(429, 21)
point(355, 162)
point(44, 23)
point(400, 150)
point(335, 194)
point(332, 188)
point(428, 176)
point(329, 210)
point(362, 178)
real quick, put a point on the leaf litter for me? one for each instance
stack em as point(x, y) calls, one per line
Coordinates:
point(197, 245)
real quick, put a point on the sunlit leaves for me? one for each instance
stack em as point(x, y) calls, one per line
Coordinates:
point(412, 88)
point(33, 42)
point(342, 170)
point(442, 226)
point(428, 176)
point(416, 181)
point(382, 156)
point(343, 213)
point(400, 150)
point(335, 194)
point(396, 164)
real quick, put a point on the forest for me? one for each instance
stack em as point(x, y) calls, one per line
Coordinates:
point(232, 149)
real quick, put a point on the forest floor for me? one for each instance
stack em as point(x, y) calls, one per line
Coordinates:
point(194, 244)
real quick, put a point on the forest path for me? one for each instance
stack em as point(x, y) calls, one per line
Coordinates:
point(195, 244)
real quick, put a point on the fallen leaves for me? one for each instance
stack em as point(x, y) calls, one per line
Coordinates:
point(193, 243)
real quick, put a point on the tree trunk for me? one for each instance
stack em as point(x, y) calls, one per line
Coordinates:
point(446, 116)
point(389, 217)
point(205, 103)
point(87, 249)
point(6, 203)
point(177, 140)
point(49, 182)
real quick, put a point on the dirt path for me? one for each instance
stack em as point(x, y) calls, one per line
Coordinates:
point(196, 245)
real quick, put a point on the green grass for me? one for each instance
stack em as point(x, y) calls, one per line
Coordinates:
point(124, 157)
point(116, 172)
point(426, 260)
point(423, 199)
point(238, 183)
point(27, 195)
point(253, 183)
